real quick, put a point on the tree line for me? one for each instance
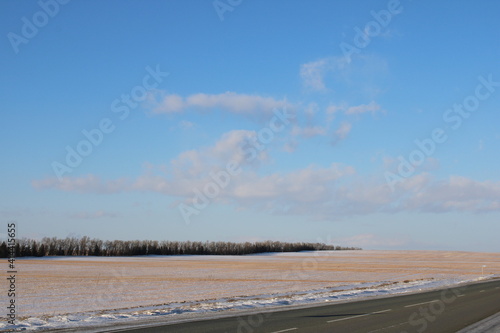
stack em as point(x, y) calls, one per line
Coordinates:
point(85, 246)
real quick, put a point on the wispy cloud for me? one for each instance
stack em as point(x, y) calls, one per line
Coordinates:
point(161, 102)
point(363, 77)
point(341, 132)
point(85, 184)
point(333, 109)
point(309, 131)
point(457, 194)
point(372, 107)
point(325, 192)
point(185, 125)
point(313, 73)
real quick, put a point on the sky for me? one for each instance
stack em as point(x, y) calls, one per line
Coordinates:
point(367, 123)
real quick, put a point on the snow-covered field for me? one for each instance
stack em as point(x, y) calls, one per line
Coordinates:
point(61, 292)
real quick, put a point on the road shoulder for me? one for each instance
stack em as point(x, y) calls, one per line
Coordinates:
point(488, 325)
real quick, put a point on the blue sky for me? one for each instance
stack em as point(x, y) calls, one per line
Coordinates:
point(253, 120)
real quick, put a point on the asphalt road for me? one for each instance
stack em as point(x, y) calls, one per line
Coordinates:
point(447, 310)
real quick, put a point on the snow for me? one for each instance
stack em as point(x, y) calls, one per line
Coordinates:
point(76, 292)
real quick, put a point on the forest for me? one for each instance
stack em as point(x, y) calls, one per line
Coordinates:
point(85, 246)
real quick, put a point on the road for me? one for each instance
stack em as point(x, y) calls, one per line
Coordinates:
point(447, 310)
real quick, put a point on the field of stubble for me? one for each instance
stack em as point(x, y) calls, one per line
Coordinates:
point(57, 285)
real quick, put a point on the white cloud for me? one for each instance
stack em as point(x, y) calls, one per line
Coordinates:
point(310, 110)
point(342, 132)
point(363, 108)
point(232, 146)
point(364, 77)
point(457, 194)
point(168, 104)
point(321, 192)
point(308, 131)
point(185, 125)
point(311, 184)
point(313, 73)
point(189, 169)
point(86, 184)
point(332, 109)
point(161, 102)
